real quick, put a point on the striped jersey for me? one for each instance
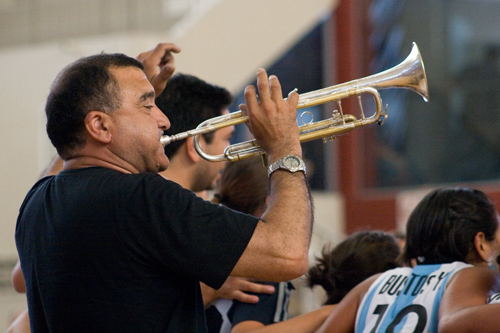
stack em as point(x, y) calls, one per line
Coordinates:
point(495, 298)
point(405, 299)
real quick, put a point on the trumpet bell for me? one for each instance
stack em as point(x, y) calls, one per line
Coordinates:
point(409, 74)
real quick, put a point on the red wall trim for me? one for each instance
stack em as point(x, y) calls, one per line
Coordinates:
point(363, 211)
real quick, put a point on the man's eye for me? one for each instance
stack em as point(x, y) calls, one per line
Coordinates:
point(148, 107)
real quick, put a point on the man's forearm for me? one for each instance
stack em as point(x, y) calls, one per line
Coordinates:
point(279, 248)
point(291, 207)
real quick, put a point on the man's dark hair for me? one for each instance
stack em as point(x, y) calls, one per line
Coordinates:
point(444, 224)
point(358, 257)
point(83, 86)
point(187, 101)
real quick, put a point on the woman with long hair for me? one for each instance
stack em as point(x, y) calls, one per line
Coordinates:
point(453, 236)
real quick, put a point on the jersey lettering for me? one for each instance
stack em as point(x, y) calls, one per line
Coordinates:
point(406, 299)
point(396, 284)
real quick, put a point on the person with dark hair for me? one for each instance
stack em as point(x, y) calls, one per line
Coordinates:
point(244, 186)
point(109, 245)
point(353, 260)
point(176, 101)
point(187, 101)
point(452, 235)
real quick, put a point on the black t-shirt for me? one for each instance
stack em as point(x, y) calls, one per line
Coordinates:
point(103, 251)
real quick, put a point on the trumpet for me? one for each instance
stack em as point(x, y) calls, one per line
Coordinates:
point(409, 74)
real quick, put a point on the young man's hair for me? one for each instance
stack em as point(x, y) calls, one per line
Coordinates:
point(83, 86)
point(187, 101)
point(444, 224)
point(355, 259)
point(243, 186)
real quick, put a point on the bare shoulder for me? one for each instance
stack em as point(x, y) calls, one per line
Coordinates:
point(480, 282)
point(363, 287)
point(482, 277)
point(463, 306)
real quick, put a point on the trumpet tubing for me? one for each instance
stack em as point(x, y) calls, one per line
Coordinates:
point(409, 74)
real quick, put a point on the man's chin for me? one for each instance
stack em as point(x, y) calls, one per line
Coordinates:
point(163, 165)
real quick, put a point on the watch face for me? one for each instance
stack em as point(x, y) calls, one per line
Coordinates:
point(292, 162)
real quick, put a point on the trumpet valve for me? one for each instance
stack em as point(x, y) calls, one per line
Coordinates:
point(337, 119)
point(383, 116)
point(328, 139)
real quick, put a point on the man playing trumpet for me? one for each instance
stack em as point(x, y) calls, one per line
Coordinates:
point(110, 245)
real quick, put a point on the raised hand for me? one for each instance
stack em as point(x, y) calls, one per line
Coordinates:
point(272, 120)
point(159, 64)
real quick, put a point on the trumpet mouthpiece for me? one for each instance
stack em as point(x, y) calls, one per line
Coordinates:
point(165, 140)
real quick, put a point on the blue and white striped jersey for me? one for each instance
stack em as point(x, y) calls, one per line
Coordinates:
point(405, 299)
point(495, 298)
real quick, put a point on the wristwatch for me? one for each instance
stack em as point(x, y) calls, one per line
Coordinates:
point(290, 163)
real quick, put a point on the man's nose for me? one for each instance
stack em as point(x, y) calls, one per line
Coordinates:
point(162, 119)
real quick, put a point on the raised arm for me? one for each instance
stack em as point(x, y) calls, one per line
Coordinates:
point(278, 250)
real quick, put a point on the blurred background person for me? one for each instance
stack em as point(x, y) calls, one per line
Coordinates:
point(355, 259)
point(187, 101)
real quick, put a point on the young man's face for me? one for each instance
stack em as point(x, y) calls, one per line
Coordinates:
point(209, 172)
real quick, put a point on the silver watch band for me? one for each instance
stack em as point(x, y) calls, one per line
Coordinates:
point(289, 163)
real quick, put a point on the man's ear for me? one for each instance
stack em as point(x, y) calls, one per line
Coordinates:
point(191, 151)
point(483, 247)
point(96, 123)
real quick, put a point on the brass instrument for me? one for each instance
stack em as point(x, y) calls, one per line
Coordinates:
point(409, 74)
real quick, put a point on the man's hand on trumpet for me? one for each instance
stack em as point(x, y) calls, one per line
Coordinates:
point(271, 119)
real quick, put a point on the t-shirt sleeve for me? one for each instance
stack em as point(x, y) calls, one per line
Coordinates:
point(186, 234)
